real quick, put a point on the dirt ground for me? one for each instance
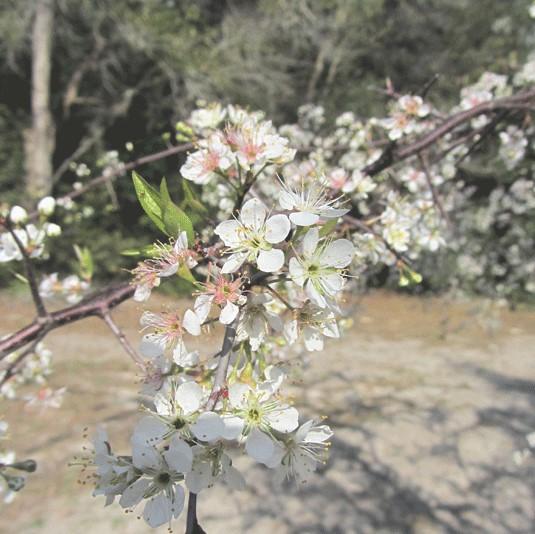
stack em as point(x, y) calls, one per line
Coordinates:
point(427, 403)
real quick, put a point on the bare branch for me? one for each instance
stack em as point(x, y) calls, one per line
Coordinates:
point(95, 305)
point(119, 334)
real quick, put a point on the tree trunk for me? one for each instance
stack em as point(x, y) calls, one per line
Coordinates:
point(40, 138)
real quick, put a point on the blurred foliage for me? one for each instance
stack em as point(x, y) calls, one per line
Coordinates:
point(128, 70)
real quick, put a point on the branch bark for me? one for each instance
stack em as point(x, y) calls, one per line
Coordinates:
point(39, 142)
point(95, 305)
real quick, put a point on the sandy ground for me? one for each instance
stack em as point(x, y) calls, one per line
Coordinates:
point(427, 407)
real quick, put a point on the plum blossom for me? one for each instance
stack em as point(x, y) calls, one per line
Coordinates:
point(256, 144)
point(158, 482)
point(211, 464)
point(165, 263)
point(312, 323)
point(252, 236)
point(167, 330)
point(308, 203)
point(318, 268)
point(179, 410)
point(225, 293)
point(257, 321)
point(302, 451)
point(261, 415)
point(203, 165)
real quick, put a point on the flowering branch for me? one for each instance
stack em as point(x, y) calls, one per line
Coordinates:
point(393, 154)
point(30, 273)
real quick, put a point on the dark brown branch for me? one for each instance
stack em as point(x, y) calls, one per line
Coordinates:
point(394, 154)
point(30, 273)
point(94, 305)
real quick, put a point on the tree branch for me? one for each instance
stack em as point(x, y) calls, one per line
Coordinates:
point(394, 154)
point(94, 305)
point(30, 273)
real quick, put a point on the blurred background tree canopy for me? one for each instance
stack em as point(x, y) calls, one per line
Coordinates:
point(125, 71)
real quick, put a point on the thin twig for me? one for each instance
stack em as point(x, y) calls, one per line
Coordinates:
point(123, 340)
point(434, 194)
point(30, 273)
point(13, 368)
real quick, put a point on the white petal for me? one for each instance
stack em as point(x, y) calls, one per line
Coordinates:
point(186, 359)
point(270, 261)
point(234, 262)
point(233, 426)
point(277, 228)
point(191, 323)
point(179, 352)
point(228, 313)
point(238, 393)
point(332, 283)
point(149, 349)
point(202, 306)
point(149, 431)
point(331, 213)
point(228, 232)
point(208, 426)
point(253, 214)
point(133, 494)
point(297, 272)
point(181, 242)
point(259, 446)
point(145, 457)
point(158, 511)
point(200, 477)
point(318, 434)
point(142, 292)
point(189, 396)
point(313, 339)
point(284, 420)
point(338, 254)
point(291, 332)
point(310, 242)
point(179, 456)
point(286, 200)
point(314, 295)
point(304, 218)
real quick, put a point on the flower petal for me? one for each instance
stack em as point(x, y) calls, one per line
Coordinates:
point(158, 511)
point(270, 261)
point(304, 218)
point(179, 456)
point(234, 262)
point(310, 242)
point(253, 214)
point(228, 313)
point(208, 426)
point(286, 419)
point(189, 396)
point(277, 228)
point(191, 323)
point(338, 254)
point(202, 306)
point(259, 446)
point(133, 494)
point(228, 231)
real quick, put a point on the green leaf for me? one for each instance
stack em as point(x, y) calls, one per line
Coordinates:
point(147, 251)
point(150, 200)
point(174, 219)
point(328, 227)
point(185, 274)
point(85, 261)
